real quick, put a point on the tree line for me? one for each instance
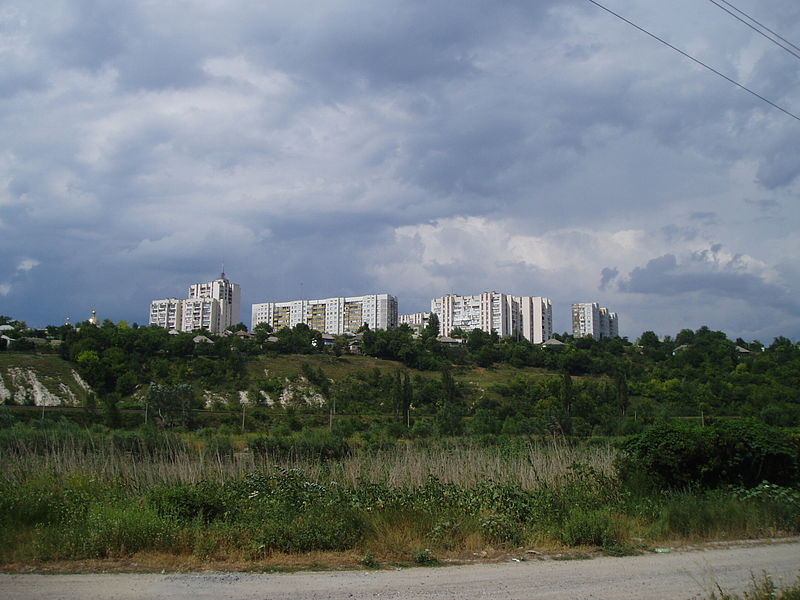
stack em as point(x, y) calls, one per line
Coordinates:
point(584, 387)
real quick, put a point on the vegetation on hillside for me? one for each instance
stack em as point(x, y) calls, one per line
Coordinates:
point(484, 386)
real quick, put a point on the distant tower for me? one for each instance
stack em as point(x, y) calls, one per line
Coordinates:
point(93, 319)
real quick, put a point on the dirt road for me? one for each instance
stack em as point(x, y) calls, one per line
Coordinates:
point(674, 575)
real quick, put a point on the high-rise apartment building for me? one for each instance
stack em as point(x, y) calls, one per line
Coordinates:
point(213, 306)
point(227, 296)
point(167, 313)
point(535, 317)
point(330, 315)
point(589, 318)
point(530, 317)
point(609, 325)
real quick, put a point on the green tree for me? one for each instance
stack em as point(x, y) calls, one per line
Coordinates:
point(432, 329)
point(172, 403)
point(648, 339)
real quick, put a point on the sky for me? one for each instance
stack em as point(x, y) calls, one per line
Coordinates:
point(416, 148)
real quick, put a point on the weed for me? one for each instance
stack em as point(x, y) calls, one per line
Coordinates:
point(590, 528)
point(369, 562)
point(424, 558)
point(762, 588)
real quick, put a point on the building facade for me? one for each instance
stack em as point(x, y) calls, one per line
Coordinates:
point(330, 315)
point(589, 318)
point(213, 306)
point(609, 325)
point(535, 317)
point(530, 317)
point(167, 313)
point(226, 307)
point(420, 318)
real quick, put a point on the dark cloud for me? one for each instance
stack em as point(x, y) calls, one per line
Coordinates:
point(780, 168)
point(664, 276)
point(607, 275)
point(679, 233)
point(90, 33)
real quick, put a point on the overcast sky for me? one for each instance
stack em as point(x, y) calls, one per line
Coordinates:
point(415, 148)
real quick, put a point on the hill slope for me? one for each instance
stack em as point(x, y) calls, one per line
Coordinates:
point(40, 380)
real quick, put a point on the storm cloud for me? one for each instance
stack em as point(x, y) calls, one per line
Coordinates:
point(405, 147)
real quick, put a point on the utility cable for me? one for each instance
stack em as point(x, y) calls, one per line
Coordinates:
point(757, 30)
point(741, 12)
point(699, 62)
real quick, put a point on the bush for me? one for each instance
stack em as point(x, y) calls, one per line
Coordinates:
point(318, 528)
point(502, 529)
point(205, 501)
point(729, 452)
point(590, 528)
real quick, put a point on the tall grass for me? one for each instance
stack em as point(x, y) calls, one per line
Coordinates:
point(527, 463)
point(74, 494)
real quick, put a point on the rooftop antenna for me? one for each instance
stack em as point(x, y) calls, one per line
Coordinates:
point(222, 275)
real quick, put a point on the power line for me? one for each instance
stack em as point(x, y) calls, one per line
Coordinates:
point(699, 62)
point(741, 12)
point(756, 29)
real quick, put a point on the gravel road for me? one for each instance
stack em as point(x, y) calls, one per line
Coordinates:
point(674, 575)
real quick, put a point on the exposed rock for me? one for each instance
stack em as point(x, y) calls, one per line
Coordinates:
point(267, 399)
point(29, 390)
point(5, 393)
point(300, 392)
point(85, 386)
point(212, 399)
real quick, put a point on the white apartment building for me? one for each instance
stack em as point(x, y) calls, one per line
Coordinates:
point(535, 317)
point(227, 296)
point(201, 313)
point(589, 318)
point(213, 306)
point(167, 313)
point(609, 325)
point(530, 317)
point(330, 315)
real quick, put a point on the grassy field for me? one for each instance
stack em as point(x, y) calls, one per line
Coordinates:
point(417, 503)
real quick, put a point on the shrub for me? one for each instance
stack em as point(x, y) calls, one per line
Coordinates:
point(424, 558)
point(739, 452)
point(317, 528)
point(501, 528)
point(590, 528)
point(205, 501)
